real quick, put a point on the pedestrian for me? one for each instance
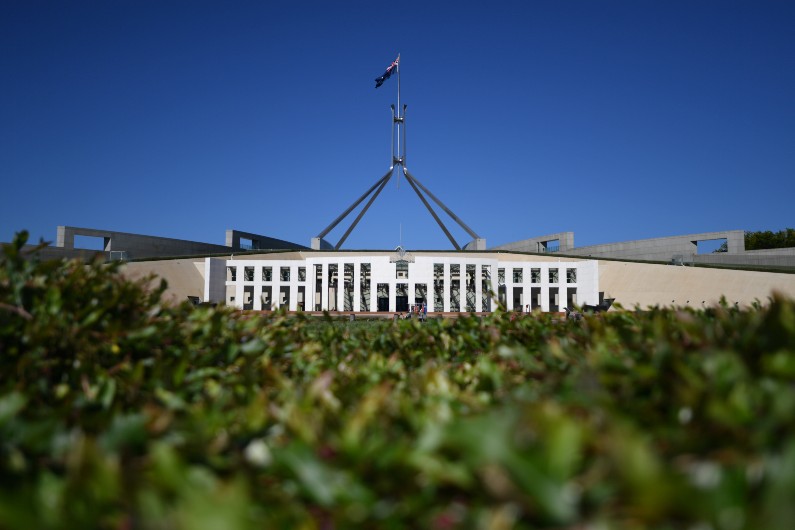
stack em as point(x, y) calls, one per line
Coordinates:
point(424, 311)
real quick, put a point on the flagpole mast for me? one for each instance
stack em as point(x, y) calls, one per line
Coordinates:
point(399, 120)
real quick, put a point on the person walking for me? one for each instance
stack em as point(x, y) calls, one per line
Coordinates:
point(424, 311)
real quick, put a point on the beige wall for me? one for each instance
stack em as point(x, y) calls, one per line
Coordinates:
point(185, 277)
point(647, 285)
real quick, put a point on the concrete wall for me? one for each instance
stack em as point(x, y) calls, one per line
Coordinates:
point(214, 278)
point(647, 284)
point(662, 248)
point(185, 277)
point(538, 244)
point(55, 253)
point(682, 249)
point(259, 242)
point(138, 246)
point(776, 257)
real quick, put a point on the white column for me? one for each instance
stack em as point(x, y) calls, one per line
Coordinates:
point(324, 286)
point(478, 279)
point(293, 288)
point(340, 286)
point(429, 292)
point(239, 289)
point(357, 286)
point(257, 288)
point(545, 289)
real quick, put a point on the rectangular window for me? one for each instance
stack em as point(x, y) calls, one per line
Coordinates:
point(438, 271)
point(267, 274)
point(455, 295)
point(553, 275)
point(301, 274)
point(470, 278)
point(438, 287)
point(571, 275)
point(535, 275)
point(470, 288)
point(517, 275)
point(553, 299)
point(485, 274)
point(364, 287)
point(382, 295)
point(571, 297)
point(500, 277)
point(284, 274)
point(402, 297)
point(420, 293)
point(455, 272)
point(402, 270)
point(231, 274)
point(333, 278)
point(248, 274)
point(347, 287)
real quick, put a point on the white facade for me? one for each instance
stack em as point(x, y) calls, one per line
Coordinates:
point(448, 282)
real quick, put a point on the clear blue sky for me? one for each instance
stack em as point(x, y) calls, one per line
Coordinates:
point(616, 120)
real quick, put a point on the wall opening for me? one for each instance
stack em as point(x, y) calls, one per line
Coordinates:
point(553, 300)
point(248, 297)
point(485, 288)
point(470, 288)
point(284, 297)
point(92, 242)
point(553, 245)
point(347, 292)
point(246, 243)
point(364, 287)
point(518, 298)
point(571, 297)
point(438, 287)
point(535, 297)
point(420, 293)
point(267, 298)
point(300, 306)
point(402, 297)
point(333, 279)
point(382, 290)
point(712, 246)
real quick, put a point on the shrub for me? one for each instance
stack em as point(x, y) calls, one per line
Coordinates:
point(118, 411)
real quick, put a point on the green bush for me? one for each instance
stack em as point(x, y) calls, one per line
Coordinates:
point(767, 239)
point(118, 411)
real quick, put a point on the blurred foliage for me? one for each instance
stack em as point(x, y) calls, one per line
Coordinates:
point(767, 239)
point(117, 411)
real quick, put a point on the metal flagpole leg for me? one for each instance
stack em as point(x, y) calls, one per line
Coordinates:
point(344, 214)
point(361, 214)
point(410, 180)
point(442, 206)
point(403, 158)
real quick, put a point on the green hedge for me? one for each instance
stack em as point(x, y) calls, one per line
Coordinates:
point(119, 411)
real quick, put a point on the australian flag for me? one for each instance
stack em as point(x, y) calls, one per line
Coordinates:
point(389, 71)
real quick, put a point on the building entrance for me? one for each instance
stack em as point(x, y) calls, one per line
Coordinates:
point(402, 304)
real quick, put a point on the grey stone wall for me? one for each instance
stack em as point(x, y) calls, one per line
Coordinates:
point(138, 246)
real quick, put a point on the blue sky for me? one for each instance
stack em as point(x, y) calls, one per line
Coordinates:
point(616, 120)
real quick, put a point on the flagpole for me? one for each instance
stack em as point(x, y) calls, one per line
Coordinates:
point(399, 118)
